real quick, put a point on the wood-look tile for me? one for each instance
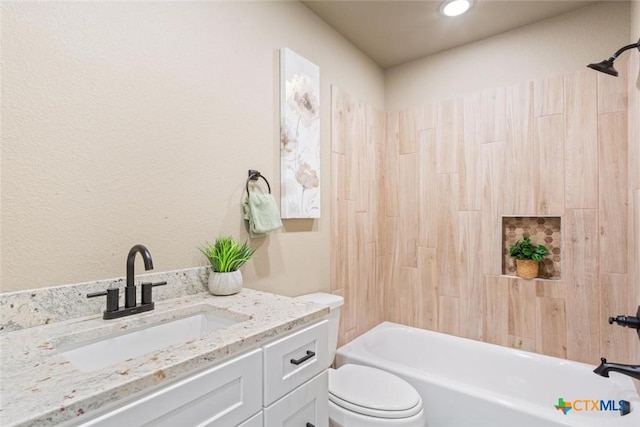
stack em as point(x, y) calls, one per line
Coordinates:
point(380, 211)
point(391, 295)
point(582, 290)
point(634, 196)
point(550, 324)
point(526, 344)
point(408, 295)
point(447, 218)
point(350, 311)
point(520, 137)
point(581, 140)
point(468, 154)
point(493, 195)
point(370, 297)
point(408, 209)
point(548, 96)
point(548, 165)
point(448, 135)
point(633, 85)
point(634, 271)
point(407, 131)
point(613, 183)
point(613, 92)
point(375, 117)
point(392, 202)
point(340, 117)
point(339, 233)
point(471, 300)
point(448, 318)
point(427, 189)
point(614, 340)
point(496, 318)
point(354, 149)
point(550, 289)
point(522, 308)
point(429, 292)
point(492, 115)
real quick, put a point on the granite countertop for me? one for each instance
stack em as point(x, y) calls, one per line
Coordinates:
point(39, 386)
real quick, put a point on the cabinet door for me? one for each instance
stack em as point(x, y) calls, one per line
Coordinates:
point(307, 404)
point(222, 396)
point(294, 359)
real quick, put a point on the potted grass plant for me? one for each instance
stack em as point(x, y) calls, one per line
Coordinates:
point(528, 257)
point(226, 255)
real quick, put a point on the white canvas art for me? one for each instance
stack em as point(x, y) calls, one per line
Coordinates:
point(299, 136)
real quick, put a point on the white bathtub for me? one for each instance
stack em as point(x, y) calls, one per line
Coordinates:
point(466, 383)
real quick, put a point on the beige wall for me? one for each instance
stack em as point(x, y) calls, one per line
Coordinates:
point(635, 21)
point(565, 43)
point(136, 122)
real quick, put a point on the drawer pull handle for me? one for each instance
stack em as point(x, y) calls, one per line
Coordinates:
point(310, 425)
point(303, 359)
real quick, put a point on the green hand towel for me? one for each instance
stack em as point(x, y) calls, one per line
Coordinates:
point(262, 212)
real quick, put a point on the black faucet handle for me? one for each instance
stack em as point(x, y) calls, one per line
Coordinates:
point(147, 297)
point(112, 294)
point(628, 321)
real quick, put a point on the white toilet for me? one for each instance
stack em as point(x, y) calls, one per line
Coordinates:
point(362, 396)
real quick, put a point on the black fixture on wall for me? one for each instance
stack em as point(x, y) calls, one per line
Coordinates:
point(606, 66)
point(628, 321)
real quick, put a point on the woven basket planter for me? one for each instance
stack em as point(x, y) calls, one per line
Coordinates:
point(527, 268)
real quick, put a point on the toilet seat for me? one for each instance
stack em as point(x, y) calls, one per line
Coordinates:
point(373, 392)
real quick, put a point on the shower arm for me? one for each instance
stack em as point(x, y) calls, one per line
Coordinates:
point(622, 49)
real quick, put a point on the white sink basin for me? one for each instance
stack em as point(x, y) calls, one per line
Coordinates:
point(102, 352)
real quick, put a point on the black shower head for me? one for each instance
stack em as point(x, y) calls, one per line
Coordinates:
point(606, 66)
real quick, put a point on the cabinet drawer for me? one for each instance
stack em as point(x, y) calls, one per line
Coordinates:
point(222, 396)
point(307, 404)
point(255, 421)
point(294, 359)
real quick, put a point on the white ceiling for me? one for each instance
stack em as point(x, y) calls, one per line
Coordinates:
point(392, 32)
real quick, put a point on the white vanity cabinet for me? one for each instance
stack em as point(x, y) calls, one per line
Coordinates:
point(296, 380)
point(283, 383)
point(221, 396)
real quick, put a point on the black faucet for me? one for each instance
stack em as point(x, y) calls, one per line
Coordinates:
point(130, 290)
point(113, 310)
point(603, 370)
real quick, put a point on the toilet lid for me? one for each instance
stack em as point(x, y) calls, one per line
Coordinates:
point(373, 392)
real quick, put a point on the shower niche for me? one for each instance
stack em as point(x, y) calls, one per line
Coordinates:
point(542, 230)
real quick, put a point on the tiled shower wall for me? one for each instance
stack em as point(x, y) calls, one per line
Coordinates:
point(416, 216)
point(634, 194)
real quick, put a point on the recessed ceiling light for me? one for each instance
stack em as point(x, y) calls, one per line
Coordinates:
point(456, 7)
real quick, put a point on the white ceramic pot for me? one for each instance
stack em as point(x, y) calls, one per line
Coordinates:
point(225, 283)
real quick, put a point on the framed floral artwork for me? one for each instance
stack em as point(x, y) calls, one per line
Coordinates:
point(299, 136)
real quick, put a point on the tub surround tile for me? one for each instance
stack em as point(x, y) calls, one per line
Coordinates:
point(38, 386)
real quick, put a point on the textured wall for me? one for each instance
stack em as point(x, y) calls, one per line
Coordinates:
point(564, 43)
point(136, 122)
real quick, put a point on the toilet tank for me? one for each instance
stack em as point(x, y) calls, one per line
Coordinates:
point(334, 302)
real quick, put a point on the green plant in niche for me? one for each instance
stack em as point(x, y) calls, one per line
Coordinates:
point(227, 254)
point(525, 250)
